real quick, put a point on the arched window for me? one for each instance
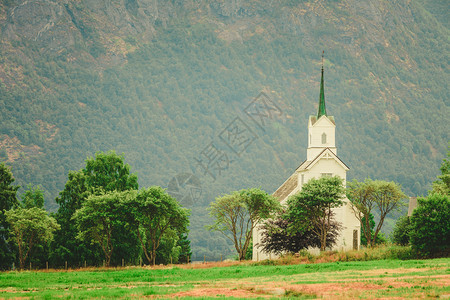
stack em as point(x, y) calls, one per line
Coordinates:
point(324, 138)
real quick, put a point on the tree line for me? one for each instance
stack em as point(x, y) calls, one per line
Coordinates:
point(102, 217)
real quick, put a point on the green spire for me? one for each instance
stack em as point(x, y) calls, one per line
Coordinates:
point(322, 109)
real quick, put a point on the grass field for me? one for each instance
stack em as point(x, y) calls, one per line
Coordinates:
point(337, 280)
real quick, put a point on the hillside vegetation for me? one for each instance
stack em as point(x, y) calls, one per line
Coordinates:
point(161, 80)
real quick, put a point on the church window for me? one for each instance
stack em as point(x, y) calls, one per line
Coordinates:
point(326, 174)
point(324, 138)
point(303, 179)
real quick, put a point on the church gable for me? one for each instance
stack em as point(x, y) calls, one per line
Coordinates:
point(322, 121)
point(326, 154)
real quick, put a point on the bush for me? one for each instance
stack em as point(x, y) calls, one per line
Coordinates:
point(430, 226)
point(402, 229)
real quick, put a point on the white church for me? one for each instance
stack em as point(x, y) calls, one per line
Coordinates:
point(321, 160)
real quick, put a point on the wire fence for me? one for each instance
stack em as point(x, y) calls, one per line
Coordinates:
point(84, 265)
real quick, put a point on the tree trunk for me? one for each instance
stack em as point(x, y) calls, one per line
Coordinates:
point(108, 260)
point(143, 247)
point(153, 256)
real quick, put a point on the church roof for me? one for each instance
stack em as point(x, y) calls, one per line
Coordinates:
point(287, 187)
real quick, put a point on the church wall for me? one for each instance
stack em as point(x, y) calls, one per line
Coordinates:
point(326, 166)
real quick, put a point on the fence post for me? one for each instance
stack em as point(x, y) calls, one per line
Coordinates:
point(30, 265)
point(84, 264)
point(13, 267)
point(46, 265)
point(122, 262)
point(65, 265)
point(140, 261)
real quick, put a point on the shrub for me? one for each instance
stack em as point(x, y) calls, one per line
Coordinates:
point(430, 226)
point(402, 229)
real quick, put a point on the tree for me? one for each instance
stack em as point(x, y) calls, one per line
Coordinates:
point(99, 218)
point(311, 208)
point(442, 184)
point(33, 197)
point(278, 238)
point(235, 215)
point(185, 248)
point(168, 249)
point(155, 215)
point(430, 226)
point(369, 195)
point(106, 172)
point(30, 226)
point(402, 231)
point(8, 200)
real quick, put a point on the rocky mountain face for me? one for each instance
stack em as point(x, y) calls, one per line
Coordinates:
point(65, 27)
point(104, 27)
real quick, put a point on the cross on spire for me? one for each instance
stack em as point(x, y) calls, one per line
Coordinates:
point(322, 109)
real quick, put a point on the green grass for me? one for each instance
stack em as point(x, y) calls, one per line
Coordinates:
point(140, 282)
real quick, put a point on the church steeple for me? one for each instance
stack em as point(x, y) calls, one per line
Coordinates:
point(322, 109)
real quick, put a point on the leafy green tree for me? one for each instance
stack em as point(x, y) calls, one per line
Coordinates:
point(402, 231)
point(311, 208)
point(155, 215)
point(442, 185)
point(8, 200)
point(33, 197)
point(430, 226)
point(168, 250)
point(65, 246)
point(30, 226)
point(370, 195)
point(105, 173)
point(99, 219)
point(185, 248)
point(235, 215)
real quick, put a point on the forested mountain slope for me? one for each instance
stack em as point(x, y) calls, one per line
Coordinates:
point(164, 81)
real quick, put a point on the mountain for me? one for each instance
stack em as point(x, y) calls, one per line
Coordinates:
point(170, 83)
